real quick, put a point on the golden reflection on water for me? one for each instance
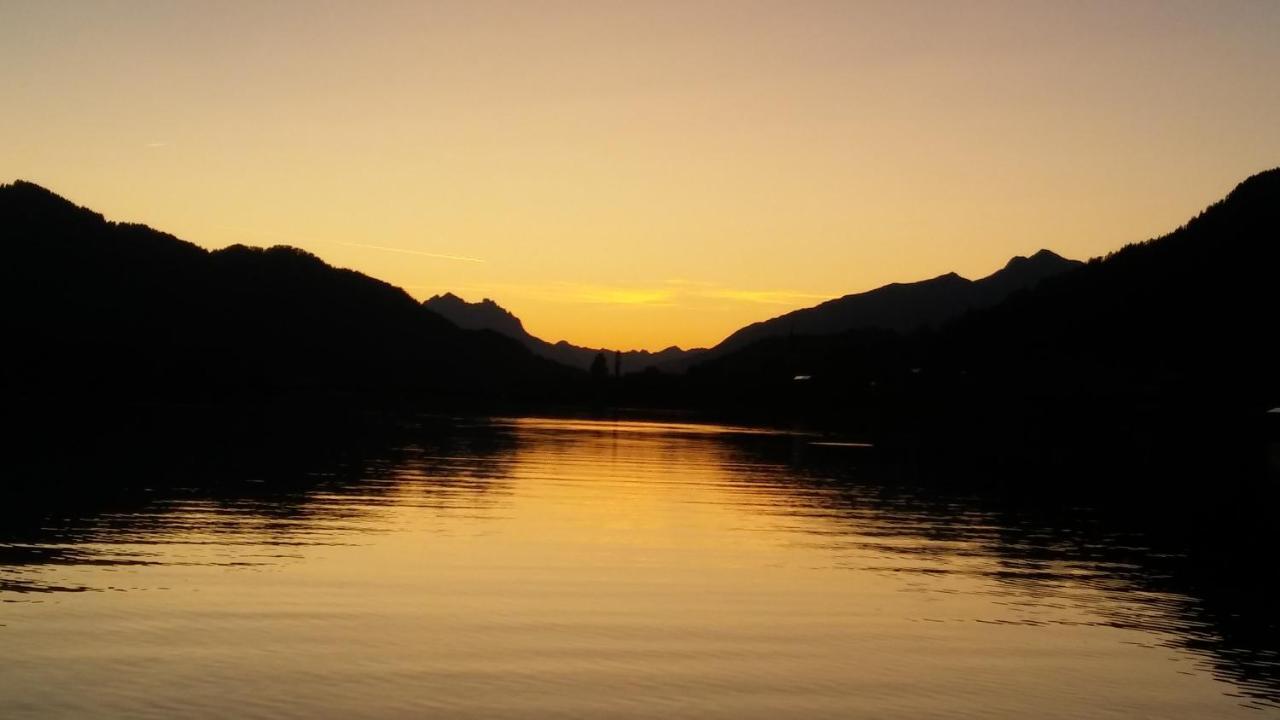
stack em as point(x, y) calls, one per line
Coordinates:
point(532, 568)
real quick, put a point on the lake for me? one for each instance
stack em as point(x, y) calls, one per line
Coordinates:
point(543, 568)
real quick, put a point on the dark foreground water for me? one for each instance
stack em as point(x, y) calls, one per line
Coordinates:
point(556, 569)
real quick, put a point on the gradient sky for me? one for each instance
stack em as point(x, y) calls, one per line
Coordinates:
point(638, 174)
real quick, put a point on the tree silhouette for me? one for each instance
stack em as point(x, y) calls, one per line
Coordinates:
point(599, 367)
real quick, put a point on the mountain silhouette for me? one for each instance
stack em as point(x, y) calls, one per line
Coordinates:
point(104, 308)
point(1190, 313)
point(901, 307)
point(483, 315)
point(488, 315)
point(1167, 344)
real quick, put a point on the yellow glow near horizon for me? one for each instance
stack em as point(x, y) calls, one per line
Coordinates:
point(644, 174)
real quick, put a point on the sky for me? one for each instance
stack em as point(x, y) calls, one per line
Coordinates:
point(642, 174)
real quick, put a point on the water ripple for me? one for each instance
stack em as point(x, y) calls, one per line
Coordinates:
point(532, 568)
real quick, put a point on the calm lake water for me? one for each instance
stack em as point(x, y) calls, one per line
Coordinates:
point(535, 568)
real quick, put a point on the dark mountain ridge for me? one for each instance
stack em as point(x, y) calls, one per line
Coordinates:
point(101, 307)
point(1165, 350)
point(1168, 342)
point(899, 306)
point(902, 307)
point(488, 315)
point(483, 315)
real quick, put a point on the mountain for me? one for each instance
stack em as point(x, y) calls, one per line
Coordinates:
point(1191, 313)
point(483, 315)
point(488, 315)
point(1165, 349)
point(102, 308)
point(902, 307)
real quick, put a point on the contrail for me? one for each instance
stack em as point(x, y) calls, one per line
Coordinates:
point(460, 258)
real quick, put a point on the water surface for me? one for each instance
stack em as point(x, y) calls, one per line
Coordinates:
point(534, 568)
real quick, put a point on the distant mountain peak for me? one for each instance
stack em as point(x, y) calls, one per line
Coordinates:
point(904, 307)
point(483, 315)
point(1042, 256)
point(489, 315)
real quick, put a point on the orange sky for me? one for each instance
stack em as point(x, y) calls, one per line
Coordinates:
point(643, 174)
